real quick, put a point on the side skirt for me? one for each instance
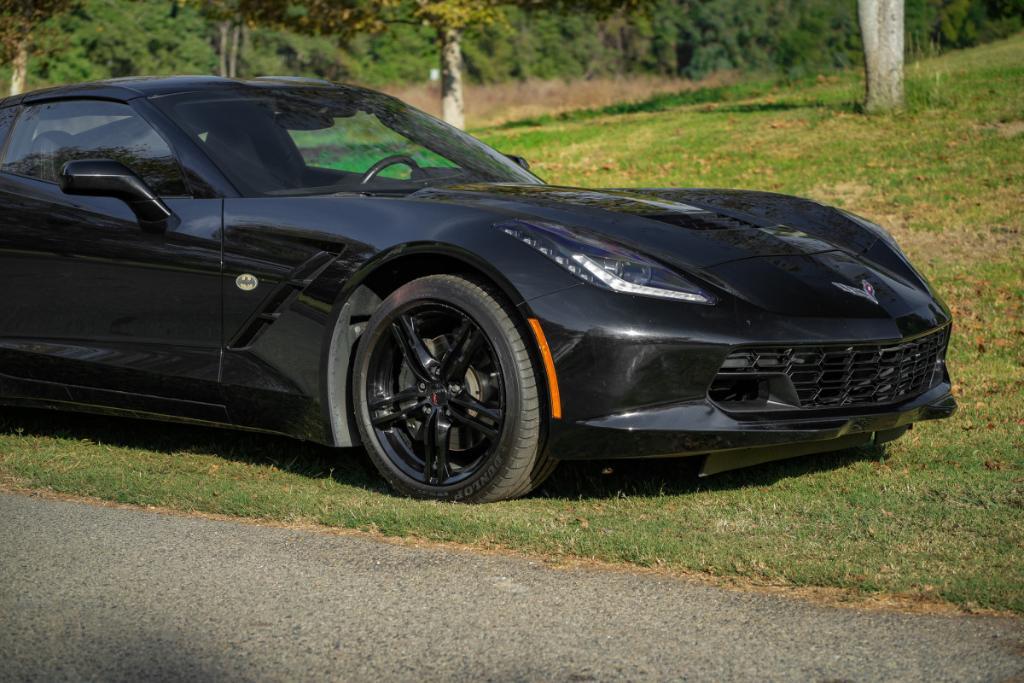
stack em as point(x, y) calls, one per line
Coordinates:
point(42, 394)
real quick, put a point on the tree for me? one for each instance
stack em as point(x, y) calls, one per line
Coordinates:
point(340, 18)
point(449, 18)
point(19, 21)
point(230, 37)
point(881, 28)
point(230, 20)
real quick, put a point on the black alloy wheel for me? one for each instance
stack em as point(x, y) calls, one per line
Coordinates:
point(436, 395)
point(446, 394)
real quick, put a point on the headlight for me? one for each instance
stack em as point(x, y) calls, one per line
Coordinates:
point(873, 228)
point(603, 263)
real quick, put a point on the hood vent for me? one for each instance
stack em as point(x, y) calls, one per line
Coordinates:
point(700, 221)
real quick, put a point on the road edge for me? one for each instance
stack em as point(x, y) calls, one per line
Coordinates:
point(822, 596)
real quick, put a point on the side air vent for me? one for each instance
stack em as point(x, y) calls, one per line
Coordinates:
point(279, 300)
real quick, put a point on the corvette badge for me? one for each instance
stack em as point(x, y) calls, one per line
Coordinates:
point(867, 290)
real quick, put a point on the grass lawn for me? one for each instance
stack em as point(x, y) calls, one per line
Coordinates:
point(938, 514)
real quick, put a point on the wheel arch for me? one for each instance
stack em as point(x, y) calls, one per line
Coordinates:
point(364, 292)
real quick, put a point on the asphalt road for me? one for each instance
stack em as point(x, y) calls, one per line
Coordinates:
point(94, 593)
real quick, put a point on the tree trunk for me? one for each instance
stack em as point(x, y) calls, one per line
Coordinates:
point(222, 47)
point(19, 67)
point(452, 103)
point(236, 45)
point(881, 28)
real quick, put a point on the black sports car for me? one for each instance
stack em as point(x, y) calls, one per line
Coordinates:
point(323, 261)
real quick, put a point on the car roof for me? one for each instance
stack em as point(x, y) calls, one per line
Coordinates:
point(125, 89)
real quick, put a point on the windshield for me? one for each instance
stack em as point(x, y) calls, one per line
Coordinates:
point(306, 141)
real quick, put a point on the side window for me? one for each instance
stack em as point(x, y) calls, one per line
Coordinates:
point(7, 115)
point(47, 136)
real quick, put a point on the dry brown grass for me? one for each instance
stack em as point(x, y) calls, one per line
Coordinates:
point(500, 102)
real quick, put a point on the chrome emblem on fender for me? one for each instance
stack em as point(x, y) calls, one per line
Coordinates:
point(867, 290)
point(246, 282)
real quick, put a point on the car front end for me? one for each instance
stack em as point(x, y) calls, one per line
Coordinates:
point(742, 361)
point(733, 391)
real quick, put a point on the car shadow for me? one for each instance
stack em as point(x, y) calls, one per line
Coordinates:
point(591, 479)
point(680, 476)
point(350, 466)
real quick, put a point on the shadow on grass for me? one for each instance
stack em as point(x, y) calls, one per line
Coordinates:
point(349, 466)
point(352, 466)
point(716, 100)
point(657, 103)
point(679, 476)
point(787, 105)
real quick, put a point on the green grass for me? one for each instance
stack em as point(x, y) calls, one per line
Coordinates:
point(948, 163)
point(938, 514)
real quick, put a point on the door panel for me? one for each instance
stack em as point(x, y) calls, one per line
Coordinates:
point(92, 300)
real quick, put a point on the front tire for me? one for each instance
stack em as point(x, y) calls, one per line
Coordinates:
point(446, 395)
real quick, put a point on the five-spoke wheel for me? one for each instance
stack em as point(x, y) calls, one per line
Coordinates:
point(446, 393)
point(435, 393)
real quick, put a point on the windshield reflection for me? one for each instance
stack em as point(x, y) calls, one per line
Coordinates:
point(288, 141)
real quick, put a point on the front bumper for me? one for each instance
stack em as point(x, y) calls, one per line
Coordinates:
point(634, 375)
point(701, 428)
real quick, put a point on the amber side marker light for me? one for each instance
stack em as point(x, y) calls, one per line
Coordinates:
point(549, 368)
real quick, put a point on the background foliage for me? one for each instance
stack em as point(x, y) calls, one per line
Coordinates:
point(686, 38)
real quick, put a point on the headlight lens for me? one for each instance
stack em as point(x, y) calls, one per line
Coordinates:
point(605, 264)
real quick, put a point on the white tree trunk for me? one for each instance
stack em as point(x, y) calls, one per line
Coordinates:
point(236, 45)
point(452, 104)
point(881, 29)
point(19, 68)
point(222, 47)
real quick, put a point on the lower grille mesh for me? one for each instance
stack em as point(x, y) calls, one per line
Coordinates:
point(854, 375)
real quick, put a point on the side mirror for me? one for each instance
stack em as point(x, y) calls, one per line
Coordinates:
point(108, 178)
point(520, 161)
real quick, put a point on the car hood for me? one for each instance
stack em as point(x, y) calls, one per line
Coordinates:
point(693, 229)
point(783, 254)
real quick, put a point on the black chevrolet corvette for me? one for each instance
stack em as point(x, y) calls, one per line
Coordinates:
point(325, 262)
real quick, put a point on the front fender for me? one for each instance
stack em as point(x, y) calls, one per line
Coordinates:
point(289, 342)
point(515, 269)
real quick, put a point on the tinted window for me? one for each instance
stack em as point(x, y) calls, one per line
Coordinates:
point(291, 141)
point(49, 135)
point(6, 119)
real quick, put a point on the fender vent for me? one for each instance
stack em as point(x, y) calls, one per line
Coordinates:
point(279, 300)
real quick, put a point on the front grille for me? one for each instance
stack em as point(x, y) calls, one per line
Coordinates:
point(836, 376)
